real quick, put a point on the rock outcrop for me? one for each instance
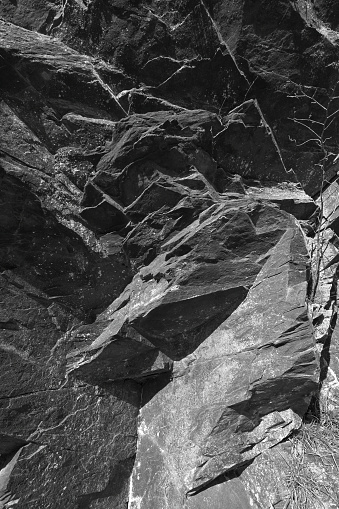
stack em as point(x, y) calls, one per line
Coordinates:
point(168, 248)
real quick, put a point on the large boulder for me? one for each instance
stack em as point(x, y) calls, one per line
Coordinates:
point(201, 276)
point(243, 390)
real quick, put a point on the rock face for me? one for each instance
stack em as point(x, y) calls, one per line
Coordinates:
point(168, 248)
point(240, 392)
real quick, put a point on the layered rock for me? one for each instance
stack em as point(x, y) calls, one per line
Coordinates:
point(66, 442)
point(236, 394)
point(201, 276)
point(158, 240)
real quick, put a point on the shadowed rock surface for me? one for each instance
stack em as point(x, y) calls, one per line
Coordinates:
point(168, 248)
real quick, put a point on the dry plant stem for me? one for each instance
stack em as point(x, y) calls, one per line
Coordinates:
point(318, 130)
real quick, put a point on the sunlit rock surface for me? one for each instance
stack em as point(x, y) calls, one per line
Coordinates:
point(168, 248)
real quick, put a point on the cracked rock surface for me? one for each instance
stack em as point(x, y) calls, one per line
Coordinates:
point(168, 248)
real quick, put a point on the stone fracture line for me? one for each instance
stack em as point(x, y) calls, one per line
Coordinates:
point(178, 25)
point(63, 339)
point(172, 28)
point(222, 41)
point(39, 431)
point(20, 161)
point(108, 89)
point(268, 129)
point(270, 132)
point(143, 90)
point(45, 391)
point(178, 71)
point(171, 59)
point(40, 448)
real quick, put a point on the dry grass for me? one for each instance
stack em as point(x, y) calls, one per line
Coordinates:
point(313, 470)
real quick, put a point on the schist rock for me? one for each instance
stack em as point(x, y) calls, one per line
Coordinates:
point(83, 451)
point(202, 274)
point(240, 392)
point(168, 248)
point(52, 430)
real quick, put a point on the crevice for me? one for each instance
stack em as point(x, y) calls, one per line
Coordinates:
point(108, 89)
point(20, 161)
point(314, 410)
point(223, 42)
point(221, 479)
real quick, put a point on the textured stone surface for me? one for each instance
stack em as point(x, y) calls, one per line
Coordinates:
point(202, 275)
point(52, 430)
point(263, 482)
point(157, 166)
point(232, 412)
point(82, 452)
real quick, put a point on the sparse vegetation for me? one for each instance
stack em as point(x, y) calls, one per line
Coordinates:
point(313, 466)
point(318, 125)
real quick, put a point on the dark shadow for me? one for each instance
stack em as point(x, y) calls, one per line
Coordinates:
point(152, 386)
point(116, 486)
point(200, 316)
point(276, 396)
point(221, 479)
point(124, 390)
point(9, 446)
point(115, 364)
point(36, 249)
point(134, 392)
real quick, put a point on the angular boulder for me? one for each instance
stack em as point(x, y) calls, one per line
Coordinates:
point(242, 391)
point(202, 275)
point(151, 154)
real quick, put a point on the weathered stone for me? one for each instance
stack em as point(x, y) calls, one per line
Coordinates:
point(53, 433)
point(55, 67)
point(188, 290)
point(105, 351)
point(53, 258)
point(325, 305)
point(89, 132)
point(38, 15)
point(76, 165)
point(151, 153)
point(226, 493)
point(146, 146)
point(288, 197)
point(19, 143)
point(232, 413)
point(261, 483)
point(82, 452)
